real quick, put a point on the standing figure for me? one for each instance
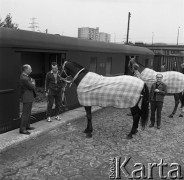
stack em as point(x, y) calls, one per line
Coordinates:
point(157, 93)
point(27, 85)
point(163, 67)
point(175, 67)
point(53, 88)
point(182, 68)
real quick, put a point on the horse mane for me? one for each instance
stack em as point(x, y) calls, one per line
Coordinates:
point(76, 65)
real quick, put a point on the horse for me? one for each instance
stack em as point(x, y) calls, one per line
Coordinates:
point(174, 80)
point(135, 90)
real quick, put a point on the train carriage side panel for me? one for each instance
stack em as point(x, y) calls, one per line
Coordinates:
point(9, 88)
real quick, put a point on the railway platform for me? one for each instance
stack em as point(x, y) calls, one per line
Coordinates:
point(13, 138)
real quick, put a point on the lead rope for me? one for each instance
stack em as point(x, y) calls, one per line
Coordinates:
point(63, 96)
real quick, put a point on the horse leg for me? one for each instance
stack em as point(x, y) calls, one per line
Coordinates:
point(89, 127)
point(182, 103)
point(136, 114)
point(176, 99)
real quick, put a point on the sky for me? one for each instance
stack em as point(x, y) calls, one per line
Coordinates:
point(157, 21)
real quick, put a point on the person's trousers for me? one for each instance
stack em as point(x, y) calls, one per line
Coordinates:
point(25, 118)
point(51, 99)
point(156, 106)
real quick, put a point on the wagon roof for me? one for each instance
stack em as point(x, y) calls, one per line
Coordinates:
point(36, 40)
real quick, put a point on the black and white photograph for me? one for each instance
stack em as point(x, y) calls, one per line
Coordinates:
point(91, 89)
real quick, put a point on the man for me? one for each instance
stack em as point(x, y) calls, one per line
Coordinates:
point(53, 87)
point(163, 67)
point(182, 68)
point(27, 85)
point(157, 93)
point(175, 67)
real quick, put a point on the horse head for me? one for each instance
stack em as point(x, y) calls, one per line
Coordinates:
point(72, 69)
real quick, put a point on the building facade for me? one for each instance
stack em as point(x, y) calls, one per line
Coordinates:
point(93, 34)
point(88, 33)
point(104, 37)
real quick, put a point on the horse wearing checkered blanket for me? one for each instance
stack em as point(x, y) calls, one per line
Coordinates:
point(174, 81)
point(120, 92)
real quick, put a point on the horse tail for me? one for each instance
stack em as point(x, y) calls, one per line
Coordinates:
point(182, 99)
point(145, 106)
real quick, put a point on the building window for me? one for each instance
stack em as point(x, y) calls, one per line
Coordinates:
point(93, 64)
point(108, 66)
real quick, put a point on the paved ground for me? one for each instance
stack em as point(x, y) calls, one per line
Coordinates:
point(65, 154)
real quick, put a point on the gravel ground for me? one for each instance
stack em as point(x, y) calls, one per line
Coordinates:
point(65, 153)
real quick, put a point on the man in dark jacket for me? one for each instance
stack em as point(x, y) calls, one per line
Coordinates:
point(157, 93)
point(27, 93)
point(53, 87)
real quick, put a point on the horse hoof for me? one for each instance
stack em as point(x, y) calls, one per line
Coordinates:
point(134, 132)
point(85, 131)
point(171, 116)
point(89, 135)
point(129, 136)
point(129, 114)
point(88, 130)
point(180, 115)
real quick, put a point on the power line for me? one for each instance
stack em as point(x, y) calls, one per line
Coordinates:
point(33, 24)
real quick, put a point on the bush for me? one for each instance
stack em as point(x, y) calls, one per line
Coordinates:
point(40, 94)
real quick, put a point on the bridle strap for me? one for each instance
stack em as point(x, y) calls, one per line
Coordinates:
point(75, 77)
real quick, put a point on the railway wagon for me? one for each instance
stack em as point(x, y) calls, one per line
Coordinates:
point(169, 61)
point(18, 47)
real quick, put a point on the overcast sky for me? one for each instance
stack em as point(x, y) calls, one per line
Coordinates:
point(150, 19)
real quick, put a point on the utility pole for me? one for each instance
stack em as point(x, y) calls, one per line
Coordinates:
point(152, 38)
point(33, 24)
point(178, 34)
point(129, 15)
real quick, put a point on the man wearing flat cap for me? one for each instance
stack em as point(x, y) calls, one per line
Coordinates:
point(53, 87)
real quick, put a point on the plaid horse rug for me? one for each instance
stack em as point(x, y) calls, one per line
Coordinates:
point(120, 91)
point(174, 80)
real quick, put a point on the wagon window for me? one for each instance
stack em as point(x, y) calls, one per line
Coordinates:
point(93, 64)
point(108, 66)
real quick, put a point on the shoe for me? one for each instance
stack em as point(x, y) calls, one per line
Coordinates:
point(151, 125)
point(25, 132)
point(49, 119)
point(58, 118)
point(30, 128)
point(158, 127)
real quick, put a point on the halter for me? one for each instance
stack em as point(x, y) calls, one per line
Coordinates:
point(75, 77)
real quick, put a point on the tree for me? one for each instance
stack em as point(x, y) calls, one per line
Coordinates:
point(1, 23)
point(8, 22)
